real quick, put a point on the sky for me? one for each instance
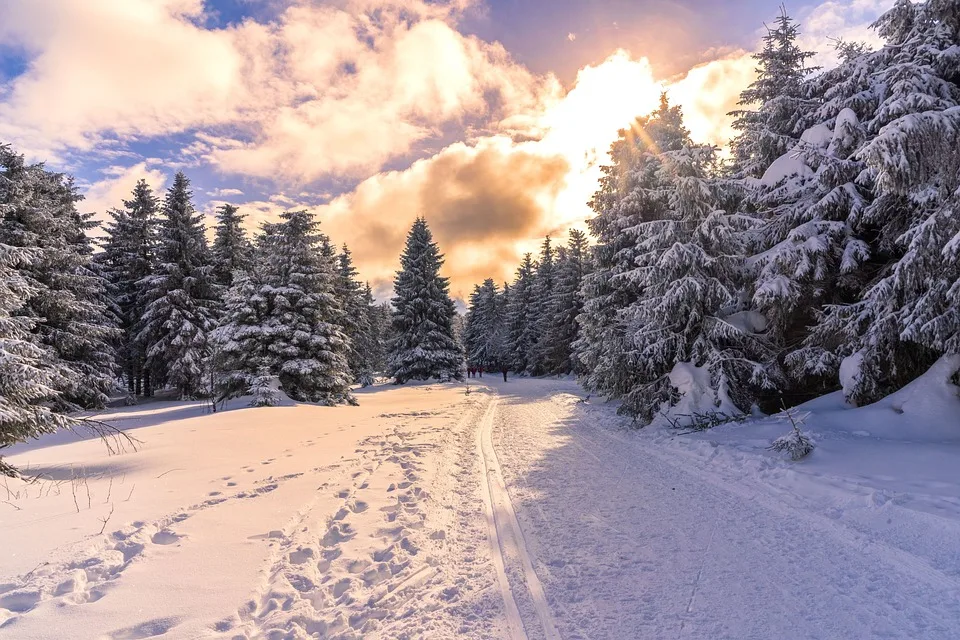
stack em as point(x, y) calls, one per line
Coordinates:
point(491, 118)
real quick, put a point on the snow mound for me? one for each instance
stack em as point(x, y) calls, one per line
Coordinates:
point(748, 321)
point(931, 403)
point(786, 166)
point(818, 135)
point(697, 396)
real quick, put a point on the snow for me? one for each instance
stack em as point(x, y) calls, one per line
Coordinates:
point(786, 166)
point(516, 510)
point(748, 321)
point(850, 373)
point(819, 135)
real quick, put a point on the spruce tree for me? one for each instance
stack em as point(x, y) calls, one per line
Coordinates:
point(628, 195)
point(354, 320)
point(907, 94)
point(423, 345)
point(521, 331)
point(231, 250)
point(242, 339)
point(544, 284)
point(26, 374)
point(485, 327)
point(773, 127)
point(68, 306)
point(181, 298)
point(129, 256)
point(566, 304)
point(307, 346)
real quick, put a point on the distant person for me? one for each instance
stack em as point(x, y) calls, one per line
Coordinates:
point(503, 370)
point(480, 371)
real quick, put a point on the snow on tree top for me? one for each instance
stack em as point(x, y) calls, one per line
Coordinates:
point(818, 135)
point(786, 166)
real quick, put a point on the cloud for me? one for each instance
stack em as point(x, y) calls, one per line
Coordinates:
point(823, 24)
point(104, 68)
point(224, 193)
point(321, 90)
point(571, 36)
point(480, 201)
point(709, 92)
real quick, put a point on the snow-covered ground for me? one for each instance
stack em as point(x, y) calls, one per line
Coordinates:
point(514, 511)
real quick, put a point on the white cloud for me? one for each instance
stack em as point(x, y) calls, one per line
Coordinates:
point(322, 90)
point(224, 193)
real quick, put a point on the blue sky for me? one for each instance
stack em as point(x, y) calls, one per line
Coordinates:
point(490, 117)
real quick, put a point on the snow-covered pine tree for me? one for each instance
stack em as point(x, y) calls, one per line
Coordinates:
point(521, 328)
point(307, 346)
point(369, 344)
point(26, 377)
point(423, 345)
point(908, 94)
point(628, 195)
point(773, 127)
point(688, 266)
point(181, 298)
point(355, 321)
point(566, 304)
point(232, 250)
point(809, 254)
point(242, 340)
point(68, 306)
point(129, 256)
point(485, 327)
point(543, 288)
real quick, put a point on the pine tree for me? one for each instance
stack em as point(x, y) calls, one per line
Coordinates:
point(423, 345)
point(129, 256)
point(686, 273)
point(231, 248)
point(544, 284)
point(485, 327)
point(307, 346)
point(908, 94)
point(369, 344)
point(181, 298)
point(68, 306)
point(629, 194)
point(26, 376)
point(355, 321)
point(566, 304)
point(242, 340)
point(521, 329)
point(770, 130)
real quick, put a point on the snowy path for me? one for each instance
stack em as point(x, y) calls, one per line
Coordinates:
point(510, 512)
point(630, 542)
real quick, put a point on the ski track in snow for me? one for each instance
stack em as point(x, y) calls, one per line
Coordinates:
point(518, 512)
point(505, 530)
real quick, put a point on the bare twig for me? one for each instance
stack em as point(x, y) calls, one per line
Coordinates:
point(11, 504)
point(73, 489)
point(169, 471)
point(106, 520)
point(131, 492)
point(109, 491)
